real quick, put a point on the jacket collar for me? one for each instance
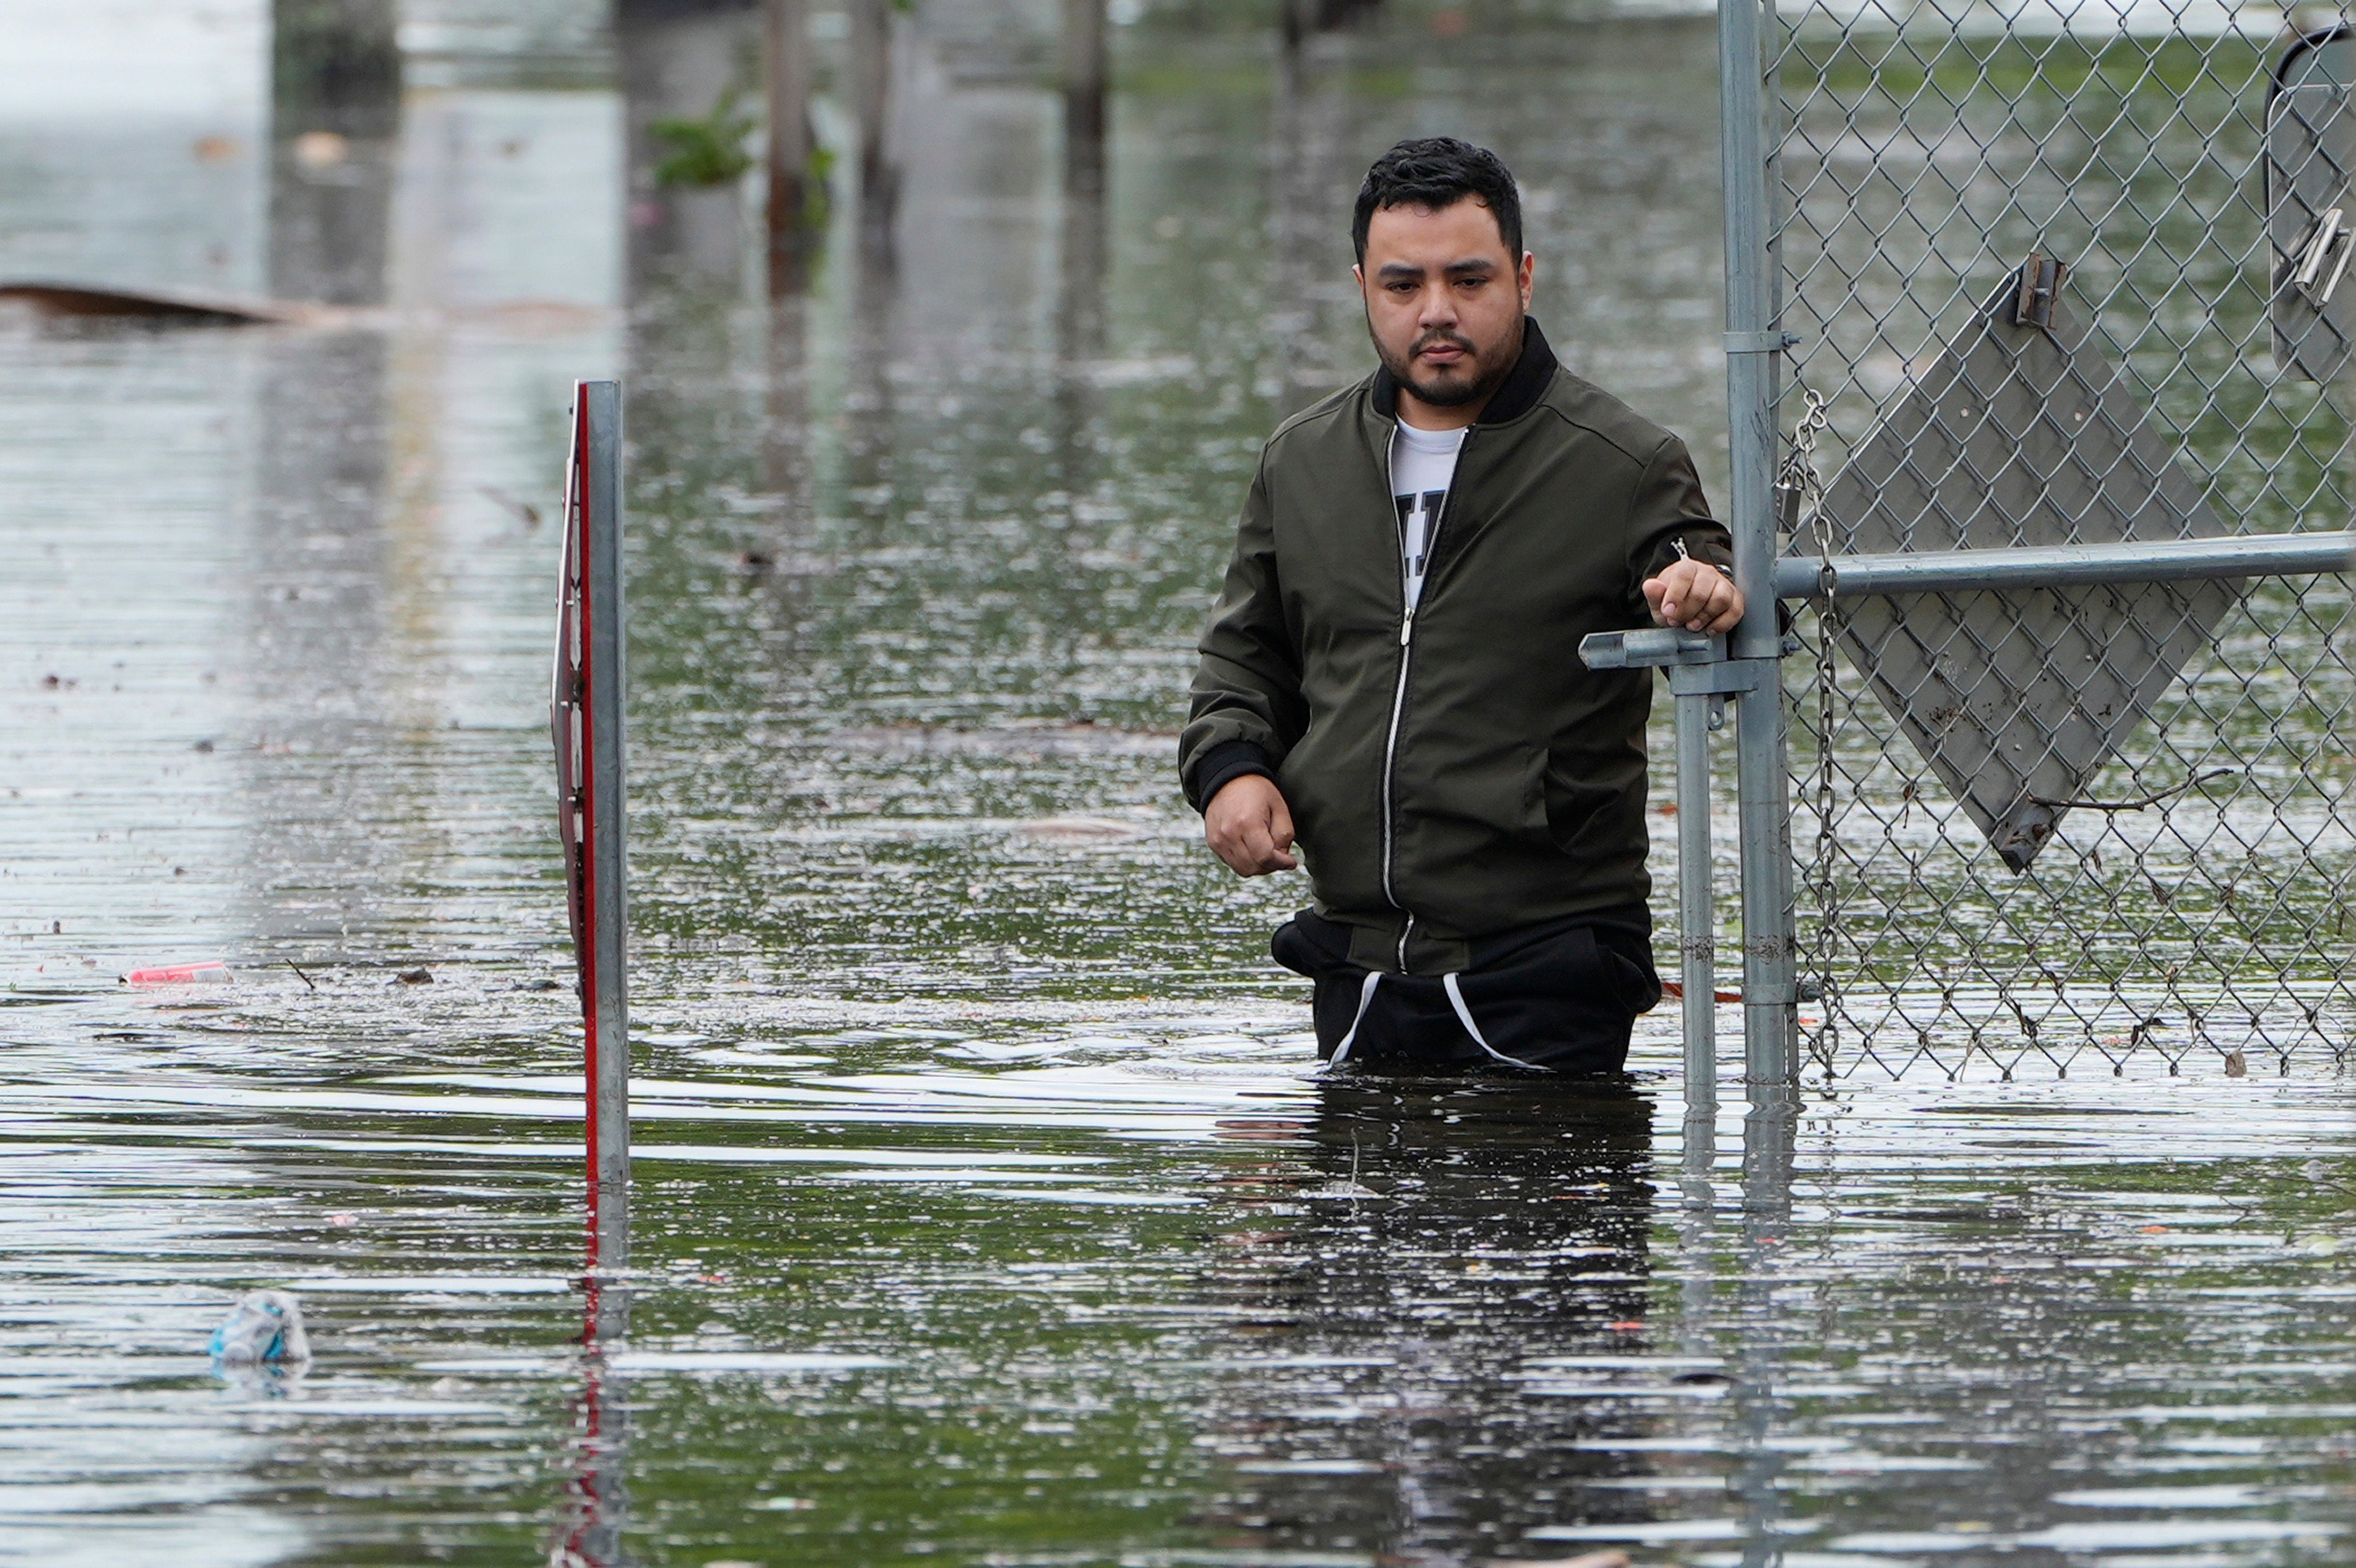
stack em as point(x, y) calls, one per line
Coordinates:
point(1516, 395)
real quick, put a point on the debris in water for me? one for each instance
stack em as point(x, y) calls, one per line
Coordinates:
point(197, 309)
point(212, 972)
point(266, 1326)
point(1584, 1559)
point(523, 512)
point(1082, 829)
point(1013, 740)
point(414, 978)
point(2236, 1065)
point(321, 149)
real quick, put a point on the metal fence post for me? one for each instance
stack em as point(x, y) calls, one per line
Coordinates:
point(1700, 678)
point(1752, 340)
point(1697, 933)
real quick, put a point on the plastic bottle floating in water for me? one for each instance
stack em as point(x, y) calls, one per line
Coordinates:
point(212, 972)
point(266, 1326)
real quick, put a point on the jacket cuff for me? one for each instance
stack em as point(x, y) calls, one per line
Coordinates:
point(1221, 766)
point(1705, 542)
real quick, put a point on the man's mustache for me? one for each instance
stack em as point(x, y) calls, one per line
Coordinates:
point(1441, 335)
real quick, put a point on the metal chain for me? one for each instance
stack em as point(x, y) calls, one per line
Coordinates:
point(1802, 490)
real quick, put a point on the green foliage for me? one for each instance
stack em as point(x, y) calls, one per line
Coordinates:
point(817, 185)
point(705, 152)
point(1857, 61)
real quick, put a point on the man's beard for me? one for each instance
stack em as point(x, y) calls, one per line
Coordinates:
point(1453, 388)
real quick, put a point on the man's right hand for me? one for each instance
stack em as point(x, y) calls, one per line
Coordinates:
point(1249, 826)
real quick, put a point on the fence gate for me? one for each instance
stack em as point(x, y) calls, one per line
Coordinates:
point(2071, 282)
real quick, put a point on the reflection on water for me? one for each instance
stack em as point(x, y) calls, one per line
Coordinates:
point(989, 1210)
point(1442, 1297)
point(590, 1528)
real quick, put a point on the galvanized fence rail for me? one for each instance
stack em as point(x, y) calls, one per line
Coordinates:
point(2057, 287)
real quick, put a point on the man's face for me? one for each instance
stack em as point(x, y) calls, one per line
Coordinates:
point(1444, 303)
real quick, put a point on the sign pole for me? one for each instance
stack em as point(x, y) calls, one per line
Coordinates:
point(587, 718)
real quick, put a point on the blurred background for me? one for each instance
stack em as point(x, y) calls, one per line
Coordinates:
point(956, 443)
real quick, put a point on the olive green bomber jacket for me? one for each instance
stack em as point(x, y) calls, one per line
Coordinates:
point(1454, 773)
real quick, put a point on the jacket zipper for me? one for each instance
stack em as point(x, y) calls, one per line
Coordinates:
point(1398, 692)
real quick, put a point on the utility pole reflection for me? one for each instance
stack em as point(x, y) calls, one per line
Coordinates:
point(597, 1506)
point(1769, 1132)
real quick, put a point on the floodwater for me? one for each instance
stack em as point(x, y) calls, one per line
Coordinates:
point(987, 1208)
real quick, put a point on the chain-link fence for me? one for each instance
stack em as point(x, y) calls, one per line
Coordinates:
point(2070, 828)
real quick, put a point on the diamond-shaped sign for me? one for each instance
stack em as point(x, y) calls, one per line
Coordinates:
point(2020, 435)
point(2310, 195)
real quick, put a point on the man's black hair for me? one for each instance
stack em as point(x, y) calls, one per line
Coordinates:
point(1438, 171)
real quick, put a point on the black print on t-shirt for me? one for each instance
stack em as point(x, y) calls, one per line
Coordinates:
point(1425, 506)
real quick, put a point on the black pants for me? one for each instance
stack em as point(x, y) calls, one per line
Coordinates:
point(1558, 998)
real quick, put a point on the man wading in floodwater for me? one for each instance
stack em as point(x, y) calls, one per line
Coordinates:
point(1391, 675)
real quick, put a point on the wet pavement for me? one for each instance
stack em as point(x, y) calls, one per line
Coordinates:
point(988, 1209)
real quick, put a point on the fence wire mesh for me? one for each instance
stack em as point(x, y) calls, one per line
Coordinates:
point(2166, 765)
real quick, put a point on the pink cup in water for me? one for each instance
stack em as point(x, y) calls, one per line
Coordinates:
point(212, 972)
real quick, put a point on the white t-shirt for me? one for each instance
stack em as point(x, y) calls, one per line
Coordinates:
point(1423, 461)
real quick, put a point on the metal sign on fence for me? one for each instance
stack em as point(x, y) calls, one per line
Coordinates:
point(2310, 203)
point(2021, 434)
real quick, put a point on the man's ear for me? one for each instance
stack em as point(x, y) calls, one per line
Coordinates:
point(1358, 276)
point(1529, 271)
